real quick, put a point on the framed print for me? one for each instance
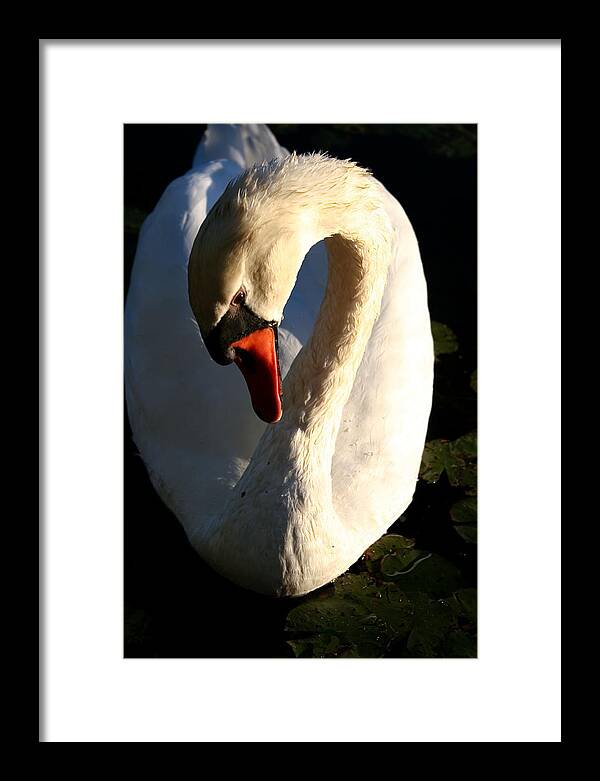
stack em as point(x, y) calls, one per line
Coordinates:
point(294, 390)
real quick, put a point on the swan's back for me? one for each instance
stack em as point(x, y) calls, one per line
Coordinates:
point(243, 145)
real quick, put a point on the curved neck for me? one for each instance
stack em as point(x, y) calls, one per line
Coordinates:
point(359, 240)
point(314, 199)
point(320, 381)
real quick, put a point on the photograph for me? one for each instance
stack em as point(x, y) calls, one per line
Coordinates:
point(300, 391)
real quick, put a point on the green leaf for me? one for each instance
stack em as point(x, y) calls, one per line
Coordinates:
point(432, 575)
point(389, 543)
point(465, 603)
point(465, 510)
point(337, 626)
point(396, 564)
point(460, 645)
point(473, 382)
point(468, 533)
point(434, 621)
point(444, 339)
point(433, 462)
point(462, 513)
point(394, 558)
point(466, 445)
point(363, 617)
point(457, 459)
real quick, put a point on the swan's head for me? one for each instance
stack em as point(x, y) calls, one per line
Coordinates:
point(242, 269)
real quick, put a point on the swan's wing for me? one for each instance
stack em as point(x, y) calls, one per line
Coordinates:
point(241, 144)
point(381, 438)
point(192, 420)
point(184, 411)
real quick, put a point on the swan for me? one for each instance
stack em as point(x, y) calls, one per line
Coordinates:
point(304, 272)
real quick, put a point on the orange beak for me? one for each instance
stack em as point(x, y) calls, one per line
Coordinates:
point(256, 357)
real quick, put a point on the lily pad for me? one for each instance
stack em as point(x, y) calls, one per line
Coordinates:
point(465, 510)
point(466, 445)
point(468, 533)
point(388, 544)
point(435, 620)
point(433, 575)
point(465, 603)
point(364, 617)
point(434, 460)
point(464, 515)
point(444, 339)
point(457, 459)
point(394, 558)
point(396, 564)
point(338, 625)
point(460, 645)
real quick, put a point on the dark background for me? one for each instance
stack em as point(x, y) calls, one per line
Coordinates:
point(175, 606)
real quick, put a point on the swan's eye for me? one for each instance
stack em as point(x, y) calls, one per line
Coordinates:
point(239, 298)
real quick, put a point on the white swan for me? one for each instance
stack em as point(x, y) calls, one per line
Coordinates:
point(284, 508)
